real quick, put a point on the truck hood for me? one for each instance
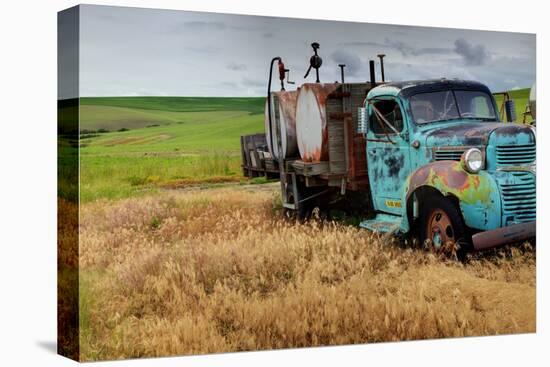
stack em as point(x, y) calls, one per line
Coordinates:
point(472, 133)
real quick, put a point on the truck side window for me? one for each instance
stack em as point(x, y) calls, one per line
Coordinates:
point(392, 112)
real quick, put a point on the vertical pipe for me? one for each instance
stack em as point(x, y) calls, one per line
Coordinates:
point(372, 78)
point(381, 56)
point(342, 66)
point(269, 102)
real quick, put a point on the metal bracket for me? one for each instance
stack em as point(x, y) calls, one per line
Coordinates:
point(313, 196)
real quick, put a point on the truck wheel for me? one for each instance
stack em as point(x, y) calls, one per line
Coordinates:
point(303, 209)
point(442, 228)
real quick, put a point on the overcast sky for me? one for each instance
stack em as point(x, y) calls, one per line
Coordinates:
point(132, 51)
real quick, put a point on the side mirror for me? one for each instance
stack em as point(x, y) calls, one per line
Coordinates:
point(362, 121)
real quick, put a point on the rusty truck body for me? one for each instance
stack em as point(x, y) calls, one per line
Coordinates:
point(428, 156)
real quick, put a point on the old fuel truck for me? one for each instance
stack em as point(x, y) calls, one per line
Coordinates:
point(430, 157)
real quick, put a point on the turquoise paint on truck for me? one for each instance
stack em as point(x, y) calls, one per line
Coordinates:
point(427, 155)
point(477, 194)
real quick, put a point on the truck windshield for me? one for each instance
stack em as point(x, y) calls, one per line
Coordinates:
point(452, 105)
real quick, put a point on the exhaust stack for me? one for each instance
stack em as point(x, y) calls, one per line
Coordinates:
point(342, 66)
point(372, 77)
point(381, 57)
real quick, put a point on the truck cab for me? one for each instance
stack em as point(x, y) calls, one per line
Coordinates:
point(440, 161)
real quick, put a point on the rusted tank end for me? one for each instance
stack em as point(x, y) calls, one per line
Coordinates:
point(284, 120)
point(311, 121)
point(287, 121)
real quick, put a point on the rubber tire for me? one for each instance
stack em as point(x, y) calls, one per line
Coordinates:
point(304, 210)
point(455, 216)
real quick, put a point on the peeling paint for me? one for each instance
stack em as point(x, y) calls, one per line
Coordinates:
point(311, 121)
point(286, 121)
point(478, 194)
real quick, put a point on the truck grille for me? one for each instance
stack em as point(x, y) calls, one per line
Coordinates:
point(448, 154)
point(513, 155)
point(519, 198)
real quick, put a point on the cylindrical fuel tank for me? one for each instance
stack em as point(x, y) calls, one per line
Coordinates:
point(311, 121)
point(283, 114)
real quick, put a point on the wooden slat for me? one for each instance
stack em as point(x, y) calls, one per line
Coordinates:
point(253, 161)
point(347, 133)
point(310, 168)
point(335, 127)
point(357, 151)
point(342, 113)
point(243, 157)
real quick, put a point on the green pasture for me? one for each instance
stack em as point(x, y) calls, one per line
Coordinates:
point(114, 113)
point(165, 141)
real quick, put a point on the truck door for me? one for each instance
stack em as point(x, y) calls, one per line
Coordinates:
point(388, 159)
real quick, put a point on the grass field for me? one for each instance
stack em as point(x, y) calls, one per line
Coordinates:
point(217, 271)
point(170, 141)
point(114, 113)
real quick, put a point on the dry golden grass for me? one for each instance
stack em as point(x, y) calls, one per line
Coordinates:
point(67, 279)
point(218, 271)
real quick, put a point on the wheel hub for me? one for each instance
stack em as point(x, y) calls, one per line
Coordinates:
point(440, 229)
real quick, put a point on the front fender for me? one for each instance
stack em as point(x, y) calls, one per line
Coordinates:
point(478, 194)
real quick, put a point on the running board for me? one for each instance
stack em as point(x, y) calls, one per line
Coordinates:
point(383, 223)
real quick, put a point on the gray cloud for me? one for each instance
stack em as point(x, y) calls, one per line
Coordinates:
point(203, 25)
point(127, 51)
point(236, 67)
point(400, 46)
point(229, 84)
point(434, 51)
point(474, 55)
point(211, 25)
point(352, 61)
point(204, 49)
point(404, 48)
point(254, 82)
point(363, 43)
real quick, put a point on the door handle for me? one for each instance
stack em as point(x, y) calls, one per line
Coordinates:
point(372, 152)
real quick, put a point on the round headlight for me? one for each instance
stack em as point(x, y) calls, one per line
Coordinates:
point(472, 160)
